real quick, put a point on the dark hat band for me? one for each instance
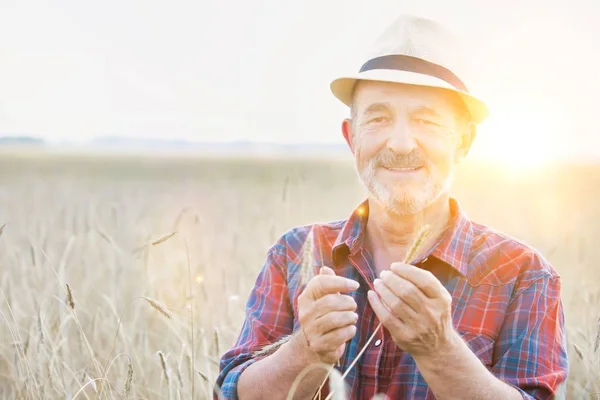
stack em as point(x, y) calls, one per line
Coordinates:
point(413, 64)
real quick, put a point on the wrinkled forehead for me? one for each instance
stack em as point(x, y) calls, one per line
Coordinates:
point(405, 97)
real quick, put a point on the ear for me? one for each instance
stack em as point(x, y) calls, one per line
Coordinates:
point(348, 133)
point(466, 141)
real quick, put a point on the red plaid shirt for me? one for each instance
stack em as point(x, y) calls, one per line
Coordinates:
point(506, 306)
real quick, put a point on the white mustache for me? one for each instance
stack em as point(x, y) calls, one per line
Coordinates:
point(387, 159)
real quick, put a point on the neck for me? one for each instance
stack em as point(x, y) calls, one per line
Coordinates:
point(391, 235)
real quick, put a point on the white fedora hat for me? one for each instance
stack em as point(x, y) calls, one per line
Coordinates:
point(415, 51)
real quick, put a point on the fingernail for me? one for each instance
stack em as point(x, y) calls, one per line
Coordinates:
point(377, 282)
point(326, 270)
point(384, 273)
point(352, 284)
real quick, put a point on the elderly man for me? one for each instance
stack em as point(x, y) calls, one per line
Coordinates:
point(473, 314)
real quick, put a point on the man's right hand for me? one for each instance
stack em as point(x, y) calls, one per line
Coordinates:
point(327, 316)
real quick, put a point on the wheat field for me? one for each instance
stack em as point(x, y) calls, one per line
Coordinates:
point(159, 253)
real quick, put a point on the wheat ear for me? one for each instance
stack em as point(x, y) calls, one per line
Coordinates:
point(129, 379)
point(158, 307)
point(70, 300)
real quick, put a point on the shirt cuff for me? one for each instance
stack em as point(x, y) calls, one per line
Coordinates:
point(228, 390)
point(559, 394)
point(528, 396)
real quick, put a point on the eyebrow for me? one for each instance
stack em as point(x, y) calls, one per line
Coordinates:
point(376, 107)
point(426, 110)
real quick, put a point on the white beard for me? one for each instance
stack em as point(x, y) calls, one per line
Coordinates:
point(403, 200)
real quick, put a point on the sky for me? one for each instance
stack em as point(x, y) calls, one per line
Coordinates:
point(215, 70)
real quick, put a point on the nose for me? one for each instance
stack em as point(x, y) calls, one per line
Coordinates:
point(401, 139)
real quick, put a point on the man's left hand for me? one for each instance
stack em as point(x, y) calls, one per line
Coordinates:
point(415, 308)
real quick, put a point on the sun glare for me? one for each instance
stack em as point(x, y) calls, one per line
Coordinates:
point(519, 138)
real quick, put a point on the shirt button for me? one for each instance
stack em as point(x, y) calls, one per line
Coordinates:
point(377, 342)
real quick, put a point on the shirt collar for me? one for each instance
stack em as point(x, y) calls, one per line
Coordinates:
point(453, 248)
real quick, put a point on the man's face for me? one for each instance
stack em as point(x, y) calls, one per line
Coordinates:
point(406, 140)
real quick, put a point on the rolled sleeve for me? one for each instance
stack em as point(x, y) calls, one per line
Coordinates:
point(524, 394)
point(227, 389)
point(531, 351)
point(269, 316)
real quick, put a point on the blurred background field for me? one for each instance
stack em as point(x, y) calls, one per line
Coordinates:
point(88, 220)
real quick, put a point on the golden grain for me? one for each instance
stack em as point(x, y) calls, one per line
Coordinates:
point(70, 300)
point(158, 307)
point(308, 259)
point(129, 380)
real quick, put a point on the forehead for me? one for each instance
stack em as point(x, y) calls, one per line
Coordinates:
point(402, 96)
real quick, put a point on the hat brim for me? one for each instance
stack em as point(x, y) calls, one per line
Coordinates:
point(343, 88)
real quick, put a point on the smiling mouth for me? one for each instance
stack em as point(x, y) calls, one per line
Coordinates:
point(401, 169)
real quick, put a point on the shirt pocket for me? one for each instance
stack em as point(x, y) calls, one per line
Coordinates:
point(481, 345)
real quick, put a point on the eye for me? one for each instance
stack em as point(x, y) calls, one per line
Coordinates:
point(377, 120)
point(424, 121)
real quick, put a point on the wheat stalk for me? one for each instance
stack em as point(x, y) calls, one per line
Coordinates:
point(40, 325)
point(306, 273)
point(203, 376)
point(597, 339)
point(191, 295)
point(163, 238)
point(92, 382)
point(216, 338)
point(418, 243)
point(163, 364)
point(272, 347)
point(155, 304)
point(179, 377)
point(26, 345)
point(303, 373)
point(578, 351)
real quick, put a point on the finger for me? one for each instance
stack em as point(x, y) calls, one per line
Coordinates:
point(332, 302)
point(335, 320)
point(322, 285)
point(394, 303)
point(332, 340)
point(421, 278)
point(326, 271)
point(387, 319)
point(404, 289)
